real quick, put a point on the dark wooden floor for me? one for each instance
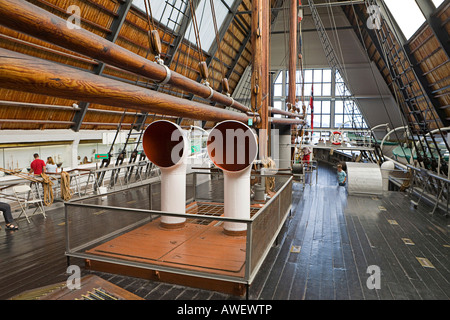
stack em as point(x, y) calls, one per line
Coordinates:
point(331, 240)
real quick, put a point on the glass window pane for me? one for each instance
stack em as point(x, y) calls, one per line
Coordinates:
point(317, 108)
point(308, 75)
point(277, 90)
point(338, 77)
point(298, 77)
point(317, 90)
point(167, 17)
point(437, 3)
point(318, 75)
point(277, 104)
point(326, 119)
point(205, 22)
point(349, 107)
point(326, 89)
point(407, 15)
point(279, 79)
point(338, 107)
point(326, 107)
point(326, 75)
point(298, 89)
point(308, 87)
point(316, 120)
point(338, 121)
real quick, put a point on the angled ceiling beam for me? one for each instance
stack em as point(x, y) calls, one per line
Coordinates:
point(116, 25)
point(426, 87)
point(429, 11)
point(224, 28)
point(414, 64)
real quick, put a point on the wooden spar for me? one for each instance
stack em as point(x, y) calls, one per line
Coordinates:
point(30, 74)
point(286, 121)
point(30, 19)
point(284, 112)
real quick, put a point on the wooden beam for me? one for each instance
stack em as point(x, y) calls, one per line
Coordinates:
point(30, 74)
point(439, 31)
point(28, 18)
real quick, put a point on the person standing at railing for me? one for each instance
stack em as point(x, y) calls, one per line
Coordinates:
point(341, 175)
point(37, 166)
point(50, 166)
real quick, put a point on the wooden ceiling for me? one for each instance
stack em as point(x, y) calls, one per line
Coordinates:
point(422, 61)
point(22, 110)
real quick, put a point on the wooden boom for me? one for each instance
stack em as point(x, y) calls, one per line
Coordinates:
point(30, 19)
point(25, 73)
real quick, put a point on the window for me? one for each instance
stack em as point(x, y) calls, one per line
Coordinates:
point(329, 111)
point(168, 14)
point(437, 3)
point(171, 12)
point(205, 22)
point(319, 80)
point(278, 85)
point(407, 15)
point(347, 115)
point(340, 86)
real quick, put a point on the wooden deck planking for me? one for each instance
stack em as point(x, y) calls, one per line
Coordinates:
point(338, 236)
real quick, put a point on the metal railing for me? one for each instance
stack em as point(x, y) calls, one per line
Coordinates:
point(95, 220)
point(429, 186)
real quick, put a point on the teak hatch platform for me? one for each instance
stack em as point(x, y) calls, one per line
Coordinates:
point(200, 245)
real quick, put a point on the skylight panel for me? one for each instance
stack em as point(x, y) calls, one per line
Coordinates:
point(169, 13)
point(205, 22)
point(437, 3)
point(407, 15)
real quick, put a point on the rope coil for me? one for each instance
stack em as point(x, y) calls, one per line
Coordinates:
point(48, 190)
point(66, 192)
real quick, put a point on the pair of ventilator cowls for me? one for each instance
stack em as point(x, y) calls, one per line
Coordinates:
point(232, 146)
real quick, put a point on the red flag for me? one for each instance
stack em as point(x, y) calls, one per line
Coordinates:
point(311, 99)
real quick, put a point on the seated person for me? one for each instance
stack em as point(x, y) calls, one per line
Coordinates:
point(6, 209)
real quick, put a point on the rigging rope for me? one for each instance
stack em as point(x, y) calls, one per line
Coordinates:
point(213, 12)
point(196, 31)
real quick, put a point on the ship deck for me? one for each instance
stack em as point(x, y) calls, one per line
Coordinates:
point(330, 240)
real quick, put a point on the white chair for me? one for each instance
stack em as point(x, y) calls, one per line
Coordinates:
point(25, 196)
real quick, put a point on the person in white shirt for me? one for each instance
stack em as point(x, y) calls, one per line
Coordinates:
point(50, 166)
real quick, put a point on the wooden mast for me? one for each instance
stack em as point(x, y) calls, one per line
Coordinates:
point(265, 68)
point(292, 53)
point(260, 70)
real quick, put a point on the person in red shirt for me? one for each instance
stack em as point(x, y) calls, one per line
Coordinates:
point(38, 165)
